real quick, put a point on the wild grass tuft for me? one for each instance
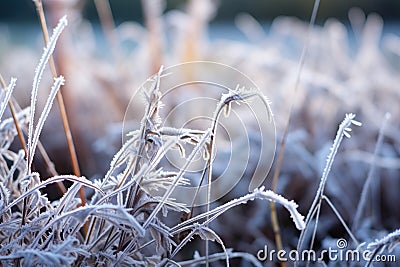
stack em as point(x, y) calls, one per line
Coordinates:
point(122, 217)
point(129, 216)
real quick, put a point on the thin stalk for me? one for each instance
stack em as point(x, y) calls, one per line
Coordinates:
point(210, 169)
point(16, 123)
point(341, 220)
point(314, 233)
point(203, 174)
point(23, 144)
point(344, 129)
point(50, 167)
point(63, 112)
point(371, 173)
point(274, 216)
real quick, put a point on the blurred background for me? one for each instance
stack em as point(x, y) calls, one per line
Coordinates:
point(23, 10)
point(352, 65)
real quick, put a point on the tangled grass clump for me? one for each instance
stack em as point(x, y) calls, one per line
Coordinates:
point(128, 213)
point(119, 225)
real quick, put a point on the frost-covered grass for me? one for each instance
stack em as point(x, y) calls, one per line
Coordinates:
point(119, 225)
point(120, 221)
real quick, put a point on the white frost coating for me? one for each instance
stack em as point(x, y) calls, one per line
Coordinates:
point(259, 193)
point(10, 90)
point(4, 195)
point(342, 131)
point(58, 82)
point(391, 240)
point(48, 51)
point(291, 206)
